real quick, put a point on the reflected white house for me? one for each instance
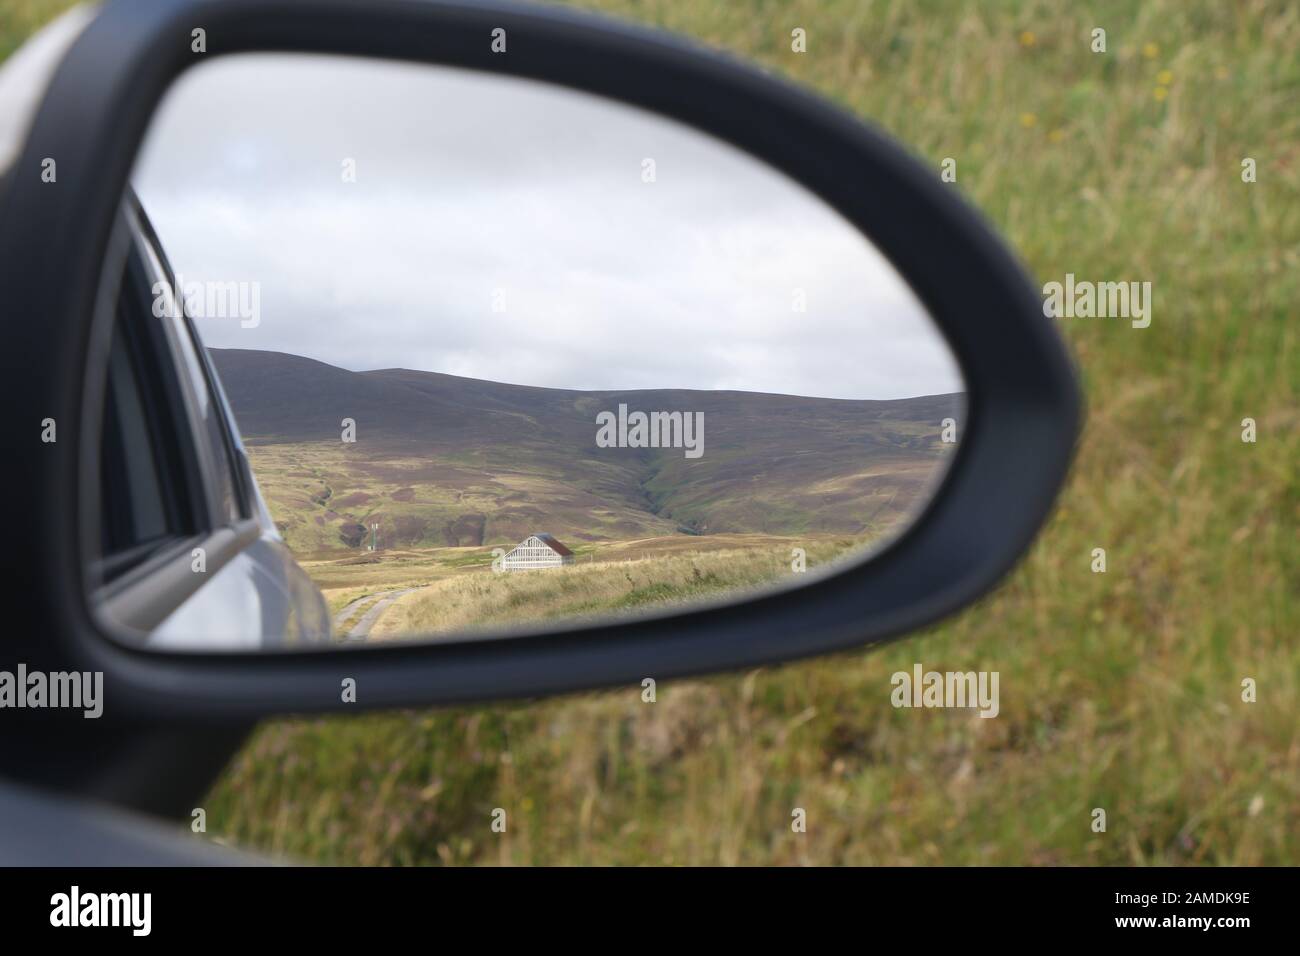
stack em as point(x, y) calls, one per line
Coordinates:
point(537, 551)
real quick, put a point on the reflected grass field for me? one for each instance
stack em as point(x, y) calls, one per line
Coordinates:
point(457, 591)
point(626, 579)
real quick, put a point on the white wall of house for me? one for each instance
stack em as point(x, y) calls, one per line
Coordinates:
point(533, 553)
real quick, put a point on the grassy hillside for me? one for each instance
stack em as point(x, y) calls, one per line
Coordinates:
point(444, 468)
point(1119, 690)
point(442, 461)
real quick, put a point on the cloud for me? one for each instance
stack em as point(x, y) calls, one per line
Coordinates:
point(474, 190)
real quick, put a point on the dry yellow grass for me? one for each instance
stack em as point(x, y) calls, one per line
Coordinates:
point(486, 600)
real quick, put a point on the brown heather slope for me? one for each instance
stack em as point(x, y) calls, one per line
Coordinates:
point(441, 460)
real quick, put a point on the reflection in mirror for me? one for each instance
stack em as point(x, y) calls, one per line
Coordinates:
point(502, 355)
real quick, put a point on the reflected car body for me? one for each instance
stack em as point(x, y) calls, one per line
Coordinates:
point(211, 562)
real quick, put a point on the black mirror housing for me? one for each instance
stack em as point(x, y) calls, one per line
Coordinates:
point(1024, 411)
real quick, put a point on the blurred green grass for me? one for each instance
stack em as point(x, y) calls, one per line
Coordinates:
point(1119, 690)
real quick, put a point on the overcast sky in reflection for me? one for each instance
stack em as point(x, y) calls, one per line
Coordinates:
point(475, 191)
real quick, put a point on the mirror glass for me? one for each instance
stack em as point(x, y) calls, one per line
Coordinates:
point(401, 351)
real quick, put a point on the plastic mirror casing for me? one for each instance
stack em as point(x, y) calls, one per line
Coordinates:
point(1023, 400)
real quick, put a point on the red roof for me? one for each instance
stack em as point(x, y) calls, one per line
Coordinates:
point(554, 545)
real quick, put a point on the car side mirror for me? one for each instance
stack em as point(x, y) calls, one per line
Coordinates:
point(63, 243)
